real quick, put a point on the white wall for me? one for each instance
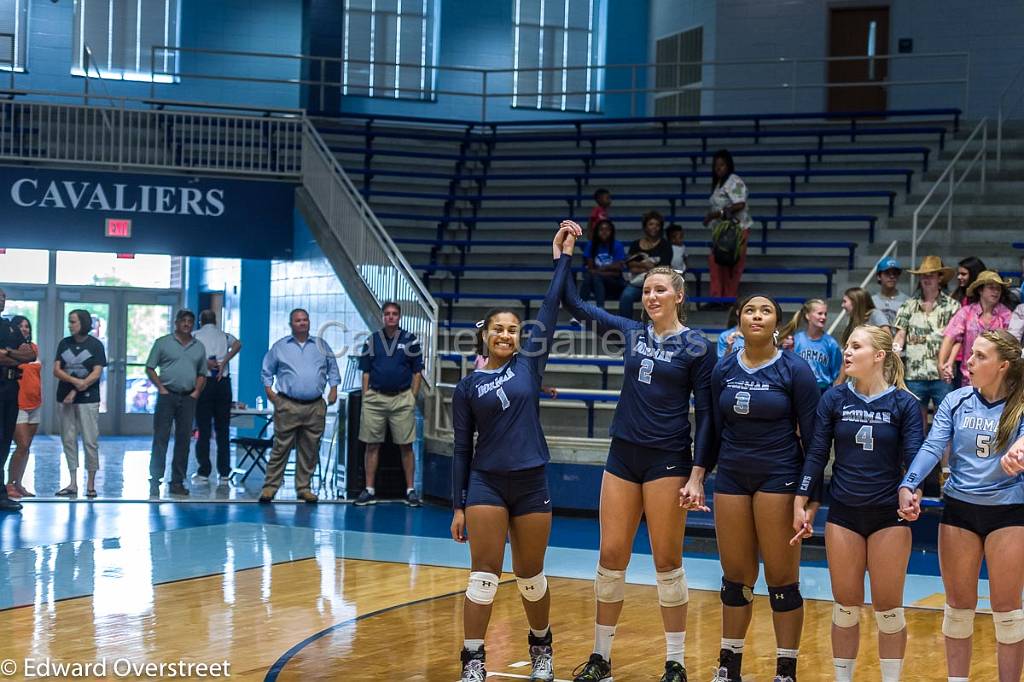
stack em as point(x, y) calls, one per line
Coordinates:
point(668, 17)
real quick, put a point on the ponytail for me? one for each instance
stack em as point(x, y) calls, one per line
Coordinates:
point(1008, 348)
point(799, 319)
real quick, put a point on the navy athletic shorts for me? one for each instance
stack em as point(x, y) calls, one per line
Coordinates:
point(864, 521)
point(521, 492)
point(730, 482)
point(639, 464)
point(981, 519)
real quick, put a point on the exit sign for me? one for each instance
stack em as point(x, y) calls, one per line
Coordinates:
point(119, 227)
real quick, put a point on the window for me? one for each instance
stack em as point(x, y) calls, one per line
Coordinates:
point(675, 70)
point(13, 21)
point(389, 48)
point(24, 266)
point(120, 35)
point(112, 270)
point(555, 51)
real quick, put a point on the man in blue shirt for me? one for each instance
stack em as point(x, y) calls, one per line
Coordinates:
point(296, 370)
point(391, 362)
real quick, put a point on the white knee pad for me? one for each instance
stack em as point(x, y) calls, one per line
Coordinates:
point(482, 587)
point(958, 623)
point(609, 585)
point(845, 616)
point(1009, 626)
point(890, 622)
point(533, 589)
point(672, 589)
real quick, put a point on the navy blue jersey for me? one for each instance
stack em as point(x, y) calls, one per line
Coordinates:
point(757, 411)
point(391, 362)
point(503, 405)
point(875, 441)
point(659, 376)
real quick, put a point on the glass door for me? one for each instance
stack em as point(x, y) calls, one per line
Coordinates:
point(144, 324)
point(101, 306)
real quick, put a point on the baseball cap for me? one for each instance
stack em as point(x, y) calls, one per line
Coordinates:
point(889, 263)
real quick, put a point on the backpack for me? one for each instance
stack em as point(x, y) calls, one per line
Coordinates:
point(726, 242)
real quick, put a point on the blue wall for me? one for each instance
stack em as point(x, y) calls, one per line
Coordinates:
point(243, 25)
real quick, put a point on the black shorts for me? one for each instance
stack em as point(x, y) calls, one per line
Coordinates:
point(730, 482)
point(521, 492)
point(639, 464)
point(865, 521)
point(981, 519)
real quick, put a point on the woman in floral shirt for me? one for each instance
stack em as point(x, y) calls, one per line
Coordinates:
point(728, 200)
point(919, 327)
point(986, 312)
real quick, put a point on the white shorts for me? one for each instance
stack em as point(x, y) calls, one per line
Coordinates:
point(30, 416)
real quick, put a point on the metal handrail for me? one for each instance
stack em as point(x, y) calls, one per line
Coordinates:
point(482, 87)
point(122, 102)
point(1004, 110)
point(377, 284)
point(948, 178)
point(892, 250)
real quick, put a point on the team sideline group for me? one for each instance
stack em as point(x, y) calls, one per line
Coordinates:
point(763, 420)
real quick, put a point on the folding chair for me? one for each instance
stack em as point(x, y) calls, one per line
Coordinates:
point(254, 453)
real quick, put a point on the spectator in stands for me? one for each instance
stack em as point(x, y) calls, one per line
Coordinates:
point(1017, 323)
point(181, 359)
point(392, 366)
point(986, 311)
point(731, 340)
point(966, 272)
point(645, 254)
point(889, 298)
point(919, 328)
point(295, 372)
point(860, 309)
point(675, 237)
point(214, 406)
point(813, 343)
point(30, 401)
point(605, 260)
point(728, 212)
point(78, 367)
point(602, 201)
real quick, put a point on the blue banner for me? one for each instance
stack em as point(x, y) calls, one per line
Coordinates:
point(173, 214)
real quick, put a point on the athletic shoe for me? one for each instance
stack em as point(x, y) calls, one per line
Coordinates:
point(780, 678)
point(200, 480)
point(365, 498)
point(473, 669)
point(727, 661)
point(540, 658)
point(412, 499)
point(722, 675)
point(594, 670)
point(785, 670)
point(674, 672)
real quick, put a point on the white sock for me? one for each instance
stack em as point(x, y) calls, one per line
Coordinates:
point(603, 635)
point(786, 653)
point(733, 645)
point(409, 490)
point(843, 668)
point(473, 644)
point(675, 646)
point(540, 634)
point(371, 490)
point(957, 679)
point(891, 669)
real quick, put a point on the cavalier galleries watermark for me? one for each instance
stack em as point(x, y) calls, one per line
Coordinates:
point(111, 668)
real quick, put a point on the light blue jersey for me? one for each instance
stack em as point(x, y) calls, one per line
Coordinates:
point(822, 354)
point(970, 423)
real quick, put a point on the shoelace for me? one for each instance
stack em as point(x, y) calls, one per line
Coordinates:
point(721, 675)
point(542, 665)
point(587, 671)
point(780, 678)
point(474, 672)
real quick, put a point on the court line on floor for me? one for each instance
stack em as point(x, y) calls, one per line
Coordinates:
point(280, 663)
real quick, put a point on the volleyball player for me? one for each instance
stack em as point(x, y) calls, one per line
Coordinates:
point(983, 517)
point(813, 343)
point(876, 426)
point(500, 487)
point(650, 458)
point(761, 395)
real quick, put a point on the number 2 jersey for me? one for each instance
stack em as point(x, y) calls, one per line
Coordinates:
point(659, 375)
point(756, 414)
point(503, 404)
point(875, 439)
point(969, 422)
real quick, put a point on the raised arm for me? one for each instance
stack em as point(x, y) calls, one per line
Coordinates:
point(585, 311)
point(540, 335)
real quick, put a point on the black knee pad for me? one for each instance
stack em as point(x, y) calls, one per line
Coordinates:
point(785, 598)
point(736, 594)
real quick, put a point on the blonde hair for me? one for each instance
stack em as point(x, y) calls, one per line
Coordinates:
point(799, 319)
point(1008, 348)
point(892, 367)
point(862, 306)
point(678, 285)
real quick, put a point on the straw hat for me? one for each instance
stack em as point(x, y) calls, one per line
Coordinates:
point(930, 264)
point(987, 277)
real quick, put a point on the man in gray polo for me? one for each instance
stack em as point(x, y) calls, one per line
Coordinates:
point(181, 359)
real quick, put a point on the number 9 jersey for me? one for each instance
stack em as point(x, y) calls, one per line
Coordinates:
point(969, 422)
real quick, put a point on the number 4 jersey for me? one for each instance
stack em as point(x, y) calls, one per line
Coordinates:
point(875, 440)
point(969, 422)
